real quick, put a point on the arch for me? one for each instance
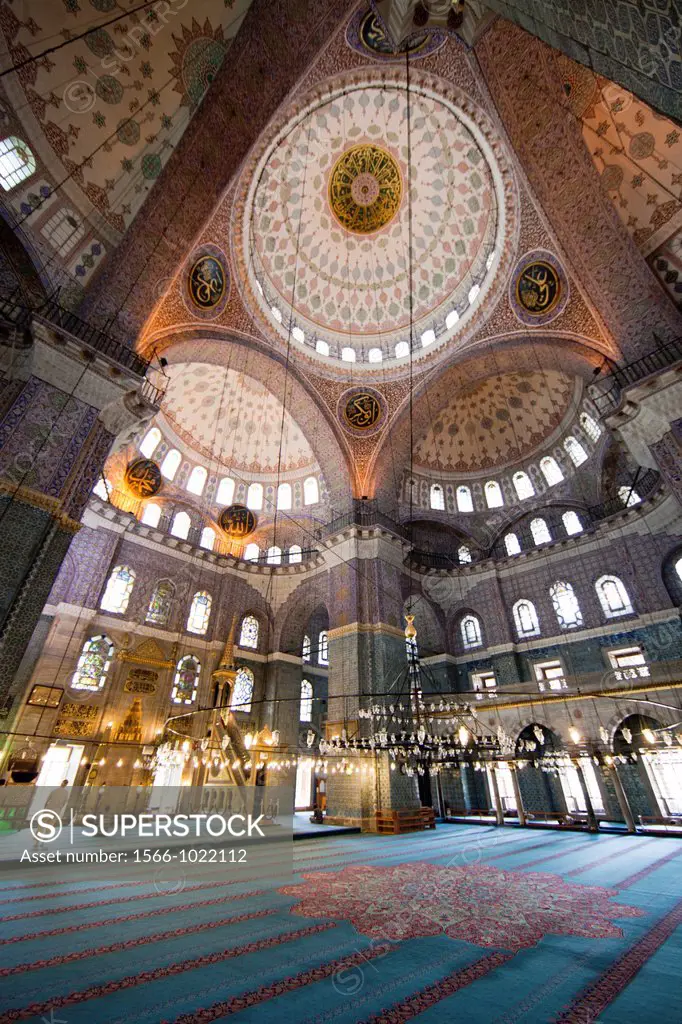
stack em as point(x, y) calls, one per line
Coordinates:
point(181, 525)
point(251, 552)
point(323, 648)
point(284, 497)
point(633, 733)
point(551, 471)
point(526, 618)
point(197, 481)
point(225, 492)
point(305, 648)
point(249, 632)
point(207, 539)
point(254, 497)
point(402, 349)
point(566, 607)
point(511, 544)
point(628, 495)
point(311, 491)
point(613, 597)
point(17, 162)
point(295, 554)
point(493, 494)
point(464, 554)
point(118, 590)
point(540, 531)
point(150, 443)
point(575, 450)
point(171, 464)
point(186, 682)
point(93, 664)
point(242, 693)
point(523, 485)
point(470, 631)
point(464, 501)
point(161, 603)
point(437, 497)
point(151, 515)
point(537, 739)
point(590, 426)
point(306, 704)
point(274, 555)
point(572, 524)
point(199, 613)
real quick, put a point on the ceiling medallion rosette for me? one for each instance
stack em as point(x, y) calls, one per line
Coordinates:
point(365, 189)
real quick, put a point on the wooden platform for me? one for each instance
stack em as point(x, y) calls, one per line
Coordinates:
point(398, 822)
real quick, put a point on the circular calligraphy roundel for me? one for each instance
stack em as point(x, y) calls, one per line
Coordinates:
point(206, 283)
point(362, 411)
point(237, 521)
point(539, 290)
point(143, 478)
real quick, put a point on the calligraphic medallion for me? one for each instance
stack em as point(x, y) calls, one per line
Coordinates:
point(374, 38)
point(362, 411)
point(207, 281)
point(365, 189)
point(237, 521)
point(143, 478)
point(538, 288)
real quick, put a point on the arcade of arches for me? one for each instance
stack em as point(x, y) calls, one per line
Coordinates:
point(341, 454)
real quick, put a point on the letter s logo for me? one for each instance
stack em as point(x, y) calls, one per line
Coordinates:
point(45, 826)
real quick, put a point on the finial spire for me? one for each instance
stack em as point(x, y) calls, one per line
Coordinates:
point(227, 660)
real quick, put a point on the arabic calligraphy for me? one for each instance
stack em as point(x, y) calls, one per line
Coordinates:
point(237, 521)
point(143, 478)
point(538, 288)
point(362, 411)
point(376, 40)
point(207, 282)
point(365, 189)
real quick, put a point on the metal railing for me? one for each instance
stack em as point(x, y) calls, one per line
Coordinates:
point(364, 515)
point(606, 393)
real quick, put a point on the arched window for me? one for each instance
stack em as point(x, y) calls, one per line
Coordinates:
point(464, 502)
point(150, 442)
point(511, 543)
point(119, 588)
point(274, 555)
point(470, 628)
point(493, 494)
point(151, 514)
point(102, 489)
point(225, 491)
point(197, 480)
point(63, 230)
point(186, 682)
point(464, 554)
point(572, 523)
point(199, 613)
point(295, 554)
point(254, 497)
point(242, 694)
point(348, 355)
point(306, 712)
point(566, 605)
point(181, 525)
point(248, 634)
point(613, 597)
point(160, 603)
point(540, 531)
point(678, 568)
point(526, 618)
point(550, 470)
point(207, 538)
point(171, 464)
point(284, 496)
point(322, 347)
point(576, 452)
point(375, 355)
point(437, 497)
point(311, 491)
point(305, 648)
point(523, 486)
point(17, 162)
point(629, 496)
point(93, 664)
point(251, 552)
point(323, 648)
point(402, 349)
point(590, 426)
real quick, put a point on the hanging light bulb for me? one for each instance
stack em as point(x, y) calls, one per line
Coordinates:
point(119, 763)
point(574, 734)
point(248, 741)
point(649, 735)
point(463, 734)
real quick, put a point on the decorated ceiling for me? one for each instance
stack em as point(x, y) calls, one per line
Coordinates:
point(106, 112)
point(326, 227)
point(496, 421)
point(232, 420)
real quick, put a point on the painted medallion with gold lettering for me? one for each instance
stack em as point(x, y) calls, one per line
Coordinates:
point(365, 188)
point(362, 411)
point(143, 478)
point(539, 289)
point(207, 281)
point(237, 521)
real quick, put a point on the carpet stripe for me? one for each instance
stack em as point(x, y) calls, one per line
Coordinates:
point(639, 875)
point(609, 857)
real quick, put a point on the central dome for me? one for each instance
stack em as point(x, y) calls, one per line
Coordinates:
point(330, 207)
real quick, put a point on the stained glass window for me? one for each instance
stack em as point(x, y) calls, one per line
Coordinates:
point(274, 555)
point(181, 525)
point(186, 681)
point(572, 523)
point(251, 552)
point(248, 634)
point(119, 588)
point(540, 531)
point(437, 498)
point(305, 648)
point(295, 554)
point(161, 603)
point(242, 694)
point(471, 632)
point(199, 613)
point(197, 480)
point(511, 543)
point(17, 162)
point(150, 442)
point(575, 450)
point(311, 491)
point(254, 497)
point(526, 618)
point(323, 649)
point(93, 664)
point(284, 496)
point(152, 514)
point(613, 596)
point(464, 502)
point(207, 538)
point(171, 464)
point(225, 491)
point(493, 494)
point(590, 426)
point(306, 713)
point(550, 470)
point(566, 605)
point(524, 487)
